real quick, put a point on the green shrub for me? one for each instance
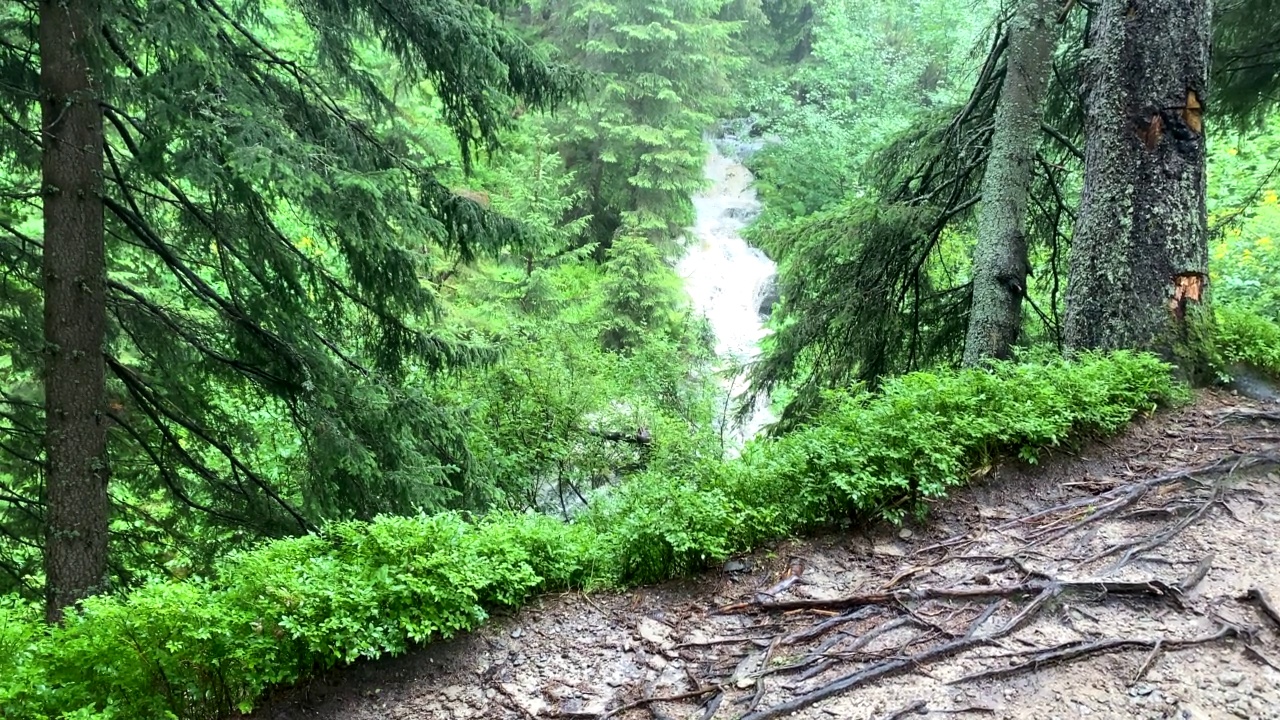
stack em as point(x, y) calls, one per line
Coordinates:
point(206, 647)
point(1244, 337)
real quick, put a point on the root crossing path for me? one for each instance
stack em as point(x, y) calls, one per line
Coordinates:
point(1138, 579)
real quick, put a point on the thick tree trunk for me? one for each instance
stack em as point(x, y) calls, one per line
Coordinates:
point(1139, 255)
point(74, 304)
point(1000, 259)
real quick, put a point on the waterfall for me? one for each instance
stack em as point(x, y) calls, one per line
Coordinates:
point(728, 281)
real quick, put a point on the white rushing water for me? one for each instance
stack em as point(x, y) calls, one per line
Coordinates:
point(727, 279)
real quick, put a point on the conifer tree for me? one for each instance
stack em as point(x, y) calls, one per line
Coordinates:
point(75, 310)
point(1000, 262)
point(1140, 250)
point(637, 141)
point(264, 221)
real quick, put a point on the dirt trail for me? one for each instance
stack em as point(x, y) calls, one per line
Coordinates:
point(1127, 600)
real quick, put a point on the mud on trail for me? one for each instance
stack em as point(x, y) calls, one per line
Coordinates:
point(1138, 579)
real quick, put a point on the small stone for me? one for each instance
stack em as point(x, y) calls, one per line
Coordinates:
point(888, 549)
point(905, 533)
point(1231, 678)
point(562, 692)
point(1191, 712)
point(517, 633)
point(736, 566)
point(453, 692)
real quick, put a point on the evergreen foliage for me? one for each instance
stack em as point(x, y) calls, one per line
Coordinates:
point(938, 162)
point(270, 218)
point(658, 83)
point(206, 647)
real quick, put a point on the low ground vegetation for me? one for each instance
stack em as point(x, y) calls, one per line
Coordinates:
point(204, 647)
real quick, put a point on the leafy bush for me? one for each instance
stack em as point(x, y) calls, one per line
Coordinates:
point(1244, 337)
point(206, 647)
point(1244, 211)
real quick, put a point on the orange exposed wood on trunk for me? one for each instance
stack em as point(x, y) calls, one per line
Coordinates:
point(1193, 113)
point(1187, 288)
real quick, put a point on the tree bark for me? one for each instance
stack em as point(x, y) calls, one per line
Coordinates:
point(1139, 257)
point(74, 304)
point(1000, 265)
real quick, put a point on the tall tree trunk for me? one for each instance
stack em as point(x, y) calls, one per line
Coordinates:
point(74, 304)
point(1000, 263)
point(1139, 256)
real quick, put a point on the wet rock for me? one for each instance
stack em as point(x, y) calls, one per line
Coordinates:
point(1191, 712)
point(529, 703)
point(561, 692)
point(1230, 678)
point(887, 549)
point(655, 632)
point(769, 295)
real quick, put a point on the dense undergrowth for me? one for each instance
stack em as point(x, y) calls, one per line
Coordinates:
point(207, 647)
point(1245, 337)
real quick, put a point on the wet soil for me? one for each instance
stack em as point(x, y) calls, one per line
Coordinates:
point(1136, 605)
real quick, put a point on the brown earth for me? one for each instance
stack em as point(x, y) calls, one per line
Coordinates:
point(1126, 600)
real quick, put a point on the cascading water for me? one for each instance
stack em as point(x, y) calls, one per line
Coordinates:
point(728, 280)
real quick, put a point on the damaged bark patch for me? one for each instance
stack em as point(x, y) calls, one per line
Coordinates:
point(1183, 124)
point(1187, 288)
point(1193, 113)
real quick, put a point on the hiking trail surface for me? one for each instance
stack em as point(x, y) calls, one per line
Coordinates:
point(1136, 579)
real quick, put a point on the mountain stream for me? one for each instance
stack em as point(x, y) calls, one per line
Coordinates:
point(730, 282)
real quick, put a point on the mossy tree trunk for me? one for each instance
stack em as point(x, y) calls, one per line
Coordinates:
point(1139, 257)
point(1000, 263)
point(75, 309)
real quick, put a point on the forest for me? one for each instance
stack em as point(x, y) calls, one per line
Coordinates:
point(331, 328)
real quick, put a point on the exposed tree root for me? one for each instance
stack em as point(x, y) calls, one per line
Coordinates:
point(978, 592)
point(697, 692)
point(1077, 649)
point(1242, 413)
point(903, 628)
point(1259, 597)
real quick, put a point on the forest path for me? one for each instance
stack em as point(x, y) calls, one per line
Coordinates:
point(882, 624)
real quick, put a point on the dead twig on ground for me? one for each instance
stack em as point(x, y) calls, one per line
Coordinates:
point(917, 707)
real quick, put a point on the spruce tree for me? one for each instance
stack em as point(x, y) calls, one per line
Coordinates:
point(1000, 261)
point(1139, 254)
point(265, 218)
point(75, 309)
point(658, 82)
